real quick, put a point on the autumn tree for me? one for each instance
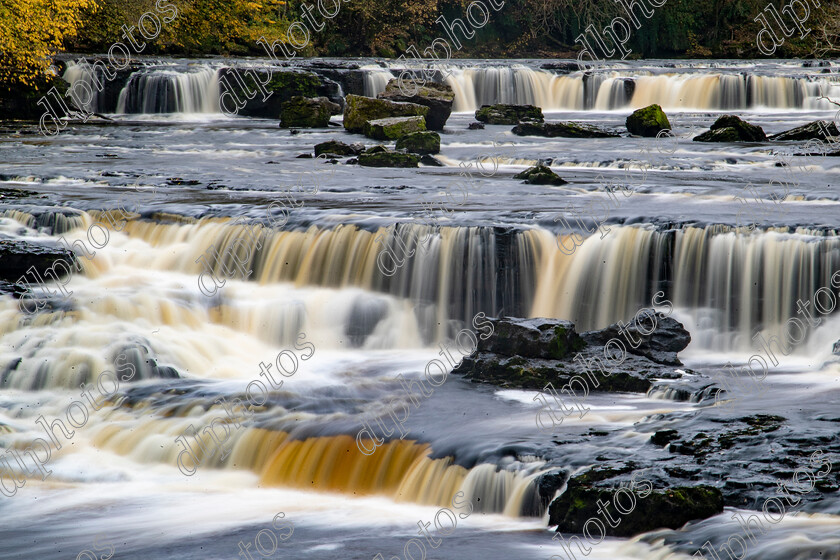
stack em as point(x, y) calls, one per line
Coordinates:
point(31, 31)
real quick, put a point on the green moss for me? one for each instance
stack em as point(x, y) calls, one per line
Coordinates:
point(420, 143)
point(394, 128)
point(648, 121)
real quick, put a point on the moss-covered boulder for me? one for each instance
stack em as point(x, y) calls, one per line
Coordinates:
point(648, 121)
point(358, 110)
point(646, 508)
point(379, 156)
point(337, 148)
point(394, 128)
point(306, 112)
point(420, 143)
point(540, 175)
point(730, 128)
point(561, 130)
point(436, 96)
point(508, 114)
point(282, 85)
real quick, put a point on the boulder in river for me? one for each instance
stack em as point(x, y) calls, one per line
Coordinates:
point(649, 509)
point(19, 256)
point(648, 121)
point(306, 112)
point(836, 348)
point(528, 353)
point(393, 128)
point(730, 128)
point(817, 130)
point(508, 114)
point(561, 130)
point(359, 109)
point(420, 143)
point(337, 148)
point(436, 96)
point(540, 175)
point(379, 156)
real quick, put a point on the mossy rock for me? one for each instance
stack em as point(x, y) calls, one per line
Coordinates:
point(508, 114)
point(359, 109)
point(561, 130)
point(540, 175)
point(730, 128)
point(420, 143)
point(305, 112)
point(817, 130)
point(387, 158)
point(394, 128)
point(671, 508)
point(338, 148)
point(436, 96)
point(648, 121)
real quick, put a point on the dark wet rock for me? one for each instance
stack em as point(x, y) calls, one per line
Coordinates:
point(420, 143)
point(431, 161)
point(664, 437)
point(648, 121)
point(394, 128)
point(17, 257)
point(299, 156)
point(540, 175)
point(282, 85)
point(649, 508)
point(817, 130)
point(730, 128)
point(563, 67)
point(338, 148)
point(386, 158)
point(306, 112)
point(836, 348)
point(179, 181)
point(561, 130)
point(508, 114)
point(476, 126)
point(436, 96)
point(367, 312)
point(528, 353)
point(358, 110)
point(666, 337)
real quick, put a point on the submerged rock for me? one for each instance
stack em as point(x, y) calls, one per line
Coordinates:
point(648, 121)
point(476, 126)
point(436, 96)
point(420, 143)
point(540, 175)
point(817, 130)
point(359, 109)
point(508, 114)
point(394, 128)
point(730, 128)
point(561, 130)
point(335, 147)
point(306, 112)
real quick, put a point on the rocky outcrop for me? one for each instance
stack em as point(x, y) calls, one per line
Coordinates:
point(282, 85)
point(306, 112)
point(508, 114)
point(730, 128)
point(817, 130)
point(540, 175)
point(420, 143)
point(437, 97)
point(561, 130)
point(393, 128)
point(648, 121)
point(379, 156)
point(19, 256)
point(358, 110)
point(528, 353)
point(337, 148)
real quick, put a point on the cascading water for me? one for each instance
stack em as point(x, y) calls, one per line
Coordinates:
point(170, 91)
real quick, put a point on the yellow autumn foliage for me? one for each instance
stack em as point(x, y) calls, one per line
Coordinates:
point(31, 31)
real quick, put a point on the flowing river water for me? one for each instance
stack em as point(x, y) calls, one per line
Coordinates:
point(185, 171)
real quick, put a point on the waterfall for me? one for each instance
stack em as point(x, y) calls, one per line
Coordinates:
point(375, 80)
point(170, 91)
point(608, 90)
point(725, 277)
point(92, 79)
